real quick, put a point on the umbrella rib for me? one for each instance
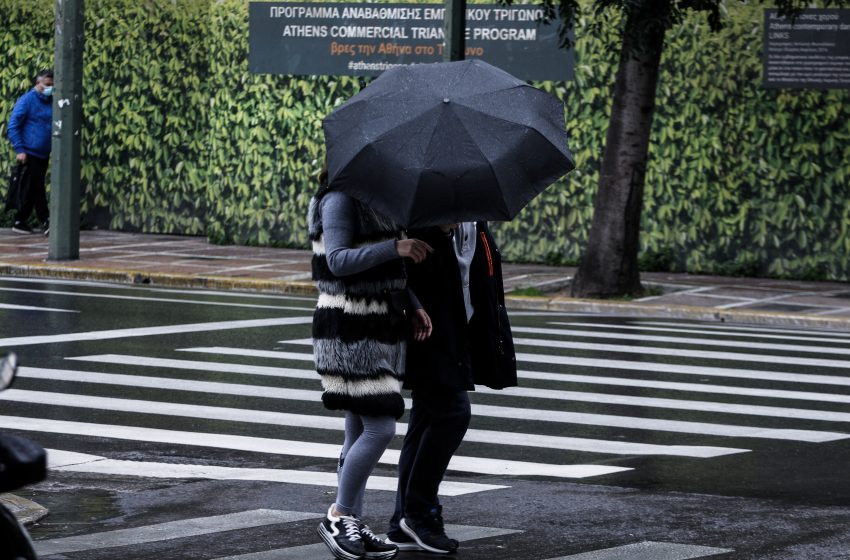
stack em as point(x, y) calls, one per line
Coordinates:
point(484, 156)
point(509, 121)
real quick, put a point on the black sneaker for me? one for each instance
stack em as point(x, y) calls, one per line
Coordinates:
point(8, 368)
point(428, 531)
point(45, 228)
point(342, 535)
point(376, 549)
point(21, 227)
point(401, 540)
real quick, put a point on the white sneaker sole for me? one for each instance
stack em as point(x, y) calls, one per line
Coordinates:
point(412, 534)
point(404, 545)
point(338, 553)
point(388, 555)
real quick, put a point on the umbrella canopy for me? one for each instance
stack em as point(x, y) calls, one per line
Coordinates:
point(447, 142)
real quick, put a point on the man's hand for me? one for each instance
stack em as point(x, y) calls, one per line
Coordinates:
point(22, 158)
point(415, 249)
point(421, 325)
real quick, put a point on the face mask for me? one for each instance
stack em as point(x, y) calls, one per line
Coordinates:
point(48, 91)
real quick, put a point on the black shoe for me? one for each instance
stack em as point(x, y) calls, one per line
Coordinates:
point(8, 368)
point(376, 549)
point(45, 228)
point(401, 540)
point(428, 531)
point(342, 535)
point(21, 227)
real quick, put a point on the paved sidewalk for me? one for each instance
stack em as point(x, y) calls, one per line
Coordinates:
point(167, 260)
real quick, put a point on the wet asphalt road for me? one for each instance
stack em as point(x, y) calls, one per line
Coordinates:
point(186, 424)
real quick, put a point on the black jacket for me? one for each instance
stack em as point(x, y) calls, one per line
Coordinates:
point(457, 356)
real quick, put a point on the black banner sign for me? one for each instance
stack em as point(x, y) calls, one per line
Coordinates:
point(315, 38)
point(813, 52)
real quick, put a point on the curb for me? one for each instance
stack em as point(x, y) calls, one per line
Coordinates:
point(628, 309)
point(27, 512)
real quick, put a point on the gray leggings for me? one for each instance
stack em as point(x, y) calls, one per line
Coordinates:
point(366, 439)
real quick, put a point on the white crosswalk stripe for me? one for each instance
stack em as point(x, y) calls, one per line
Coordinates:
point(151, 299)
point(477, 465)
point(170, 530)
point(766, 330)
point(750, 345)
point(678, 352)
point(68, 461)
point(462, 533)
point(684, 330)
point(649, 550)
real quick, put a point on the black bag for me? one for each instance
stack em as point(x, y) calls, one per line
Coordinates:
point(22, 462)
point(15, 195)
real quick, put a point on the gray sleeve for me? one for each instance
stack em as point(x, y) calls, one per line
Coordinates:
point(338, 222)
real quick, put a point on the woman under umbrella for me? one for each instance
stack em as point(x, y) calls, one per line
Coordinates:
point(358, 337)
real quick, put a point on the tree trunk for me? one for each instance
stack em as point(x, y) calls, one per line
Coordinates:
point(609, 265)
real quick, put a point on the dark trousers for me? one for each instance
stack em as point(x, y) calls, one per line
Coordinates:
point(438, 422)
point(33, 193)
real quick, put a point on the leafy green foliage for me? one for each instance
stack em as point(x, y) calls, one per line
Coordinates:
point(181, 138)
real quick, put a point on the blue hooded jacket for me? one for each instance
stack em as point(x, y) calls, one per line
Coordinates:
point(30, 124)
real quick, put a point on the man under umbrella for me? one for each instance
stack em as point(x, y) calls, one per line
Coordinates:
point(459, 286)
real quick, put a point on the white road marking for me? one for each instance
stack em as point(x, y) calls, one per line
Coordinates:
point(154, 331)
point(698, 331)
point(568, 361)
point(300, 356)
point(701, 354)
point(702, 371)
point(323, 422)
point(165, 363)
point(630, 422)
point(677, 404)
point(649, 550)
point(462, 533)
point(675, 386)
point(764, 329)
point(478, 465)
point(170, 530)
point(161, 300)
point(67, 461)
point(693, 341)
point(638, 423)
point(137, 288)
point(34, 308)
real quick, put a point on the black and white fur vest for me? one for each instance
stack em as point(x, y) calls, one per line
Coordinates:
point(358, 341)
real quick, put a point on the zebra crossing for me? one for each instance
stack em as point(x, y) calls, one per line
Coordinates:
point(685, 393)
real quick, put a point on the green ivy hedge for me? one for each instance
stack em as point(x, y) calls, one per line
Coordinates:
point(181, 138)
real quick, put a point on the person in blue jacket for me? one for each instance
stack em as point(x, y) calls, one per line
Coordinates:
point(30, 134)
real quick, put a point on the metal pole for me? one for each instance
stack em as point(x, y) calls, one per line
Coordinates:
point(455, 30)
point(67, 129)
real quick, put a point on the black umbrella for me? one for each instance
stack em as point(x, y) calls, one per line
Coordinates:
point(447, 142)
